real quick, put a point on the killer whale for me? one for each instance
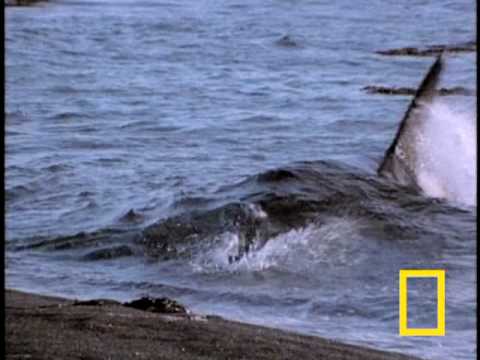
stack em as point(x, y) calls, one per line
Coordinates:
point(401, 158)
point(303, 193)
point(264, 206)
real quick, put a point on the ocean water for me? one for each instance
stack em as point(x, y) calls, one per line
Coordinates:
point(146, 141)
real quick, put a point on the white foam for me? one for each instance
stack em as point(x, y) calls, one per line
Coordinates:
point(257, 211)
point(330, 243)
point(447, 155)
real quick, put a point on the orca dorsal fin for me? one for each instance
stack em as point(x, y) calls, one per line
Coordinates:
point(400, 158)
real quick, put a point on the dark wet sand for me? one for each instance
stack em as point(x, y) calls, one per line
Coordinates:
point(40, 327)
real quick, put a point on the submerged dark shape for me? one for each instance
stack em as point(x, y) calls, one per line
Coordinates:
point(112, 252)
point(132, 217)
point(401, 157)
point(286, 41)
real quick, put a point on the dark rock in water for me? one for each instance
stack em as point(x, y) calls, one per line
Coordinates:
point(458, 90)
point(22, 2)
point(96, 302)
point(372, 89)
point(132, 216)
point(161, 305)
point(432, 50)
point(109, 253)
point(286, 41)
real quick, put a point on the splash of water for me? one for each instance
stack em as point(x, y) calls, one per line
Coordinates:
point(447, 153)
point(329, 244)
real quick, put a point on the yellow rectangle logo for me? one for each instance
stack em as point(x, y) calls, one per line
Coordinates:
point(431, 273)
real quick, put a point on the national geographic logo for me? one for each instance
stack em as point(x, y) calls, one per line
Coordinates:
point(403, 321)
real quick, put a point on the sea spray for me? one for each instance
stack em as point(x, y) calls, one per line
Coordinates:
point(333, 244)
point(446, 164)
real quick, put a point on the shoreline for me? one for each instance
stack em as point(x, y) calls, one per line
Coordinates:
point(45, 327)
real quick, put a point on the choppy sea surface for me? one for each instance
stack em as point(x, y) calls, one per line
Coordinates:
point(148, 141)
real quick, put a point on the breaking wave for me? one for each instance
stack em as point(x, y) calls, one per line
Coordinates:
point(330, 245)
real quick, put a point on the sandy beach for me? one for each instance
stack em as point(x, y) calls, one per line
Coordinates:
point(41, 327)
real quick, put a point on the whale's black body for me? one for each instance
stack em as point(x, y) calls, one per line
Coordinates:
point(401, 158)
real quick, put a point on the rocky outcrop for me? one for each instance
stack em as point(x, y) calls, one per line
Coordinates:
point(161, 305)
point(384, 90)
point(432, 50)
